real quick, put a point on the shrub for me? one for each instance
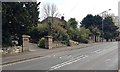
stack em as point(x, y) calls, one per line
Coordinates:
point(38, 32)
point(34, 33)
point(84, 40)
point(59, 33)
point(42, 42)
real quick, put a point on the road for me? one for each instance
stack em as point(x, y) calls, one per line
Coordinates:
point(98, 57)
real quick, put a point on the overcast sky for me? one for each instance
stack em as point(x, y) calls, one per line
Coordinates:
point(80, 8)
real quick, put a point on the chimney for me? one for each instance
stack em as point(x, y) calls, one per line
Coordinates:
point(62, 18)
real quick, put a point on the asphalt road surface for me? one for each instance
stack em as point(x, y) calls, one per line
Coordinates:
point(99, 57)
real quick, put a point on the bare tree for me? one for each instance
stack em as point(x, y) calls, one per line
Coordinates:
point(50, 10)
point(53, 10)
point(46, 10)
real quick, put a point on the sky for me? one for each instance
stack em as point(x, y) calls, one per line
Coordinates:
point(80, 8)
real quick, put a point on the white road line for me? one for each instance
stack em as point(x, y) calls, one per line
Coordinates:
point(107, 60)
point(60, 57)
point(22, 61)
point(65, 56)
point(69, 47)
point(68, 62)
point(97, 51)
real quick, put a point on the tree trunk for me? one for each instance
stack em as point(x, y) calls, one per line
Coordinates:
point(111, 40)
point(95, 39)
point(107, 40)
point(20, 41)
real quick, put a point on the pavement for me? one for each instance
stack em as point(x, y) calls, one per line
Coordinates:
point(101, 56)
point(39, 52)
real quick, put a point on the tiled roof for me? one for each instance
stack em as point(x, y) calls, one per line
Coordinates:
point(50, 19)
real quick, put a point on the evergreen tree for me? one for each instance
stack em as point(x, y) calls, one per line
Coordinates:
point(17, 19)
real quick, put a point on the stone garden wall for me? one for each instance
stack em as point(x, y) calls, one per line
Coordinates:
point(17, 49)
point(11, 50)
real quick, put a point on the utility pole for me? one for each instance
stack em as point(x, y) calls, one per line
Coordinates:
point(104, 12)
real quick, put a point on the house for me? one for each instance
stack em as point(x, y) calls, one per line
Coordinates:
point(54, 20)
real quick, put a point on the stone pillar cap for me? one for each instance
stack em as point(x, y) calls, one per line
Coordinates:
point(49, 36)
point(26, 36)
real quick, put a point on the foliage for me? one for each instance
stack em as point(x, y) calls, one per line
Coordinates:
point(60, 34)
point(34, 33)
point(42, 27)
point(42, 42)
point(43, 30)
point(98, 22)
point(94, 24)
point(6, 40)
point(57, 31)
point(72, 23)
point(64, 24)
point(84, 33)
point(18, 18)
point(91, 22)
point(88, 21)
point(38, 32)
point(80, 35)
point(71, 27)
point(72, 34)
point(110, 30)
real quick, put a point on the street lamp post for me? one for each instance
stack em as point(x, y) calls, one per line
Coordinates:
point(102, 22)
point(102, 29)
point(118, 27)
point(22, 37)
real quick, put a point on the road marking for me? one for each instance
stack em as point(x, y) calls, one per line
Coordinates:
point(60, 57)
point(69, 47)
point(96, 51)
point(68, 62)
point(107, 60)
point(22, 61)
point(65, 56)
